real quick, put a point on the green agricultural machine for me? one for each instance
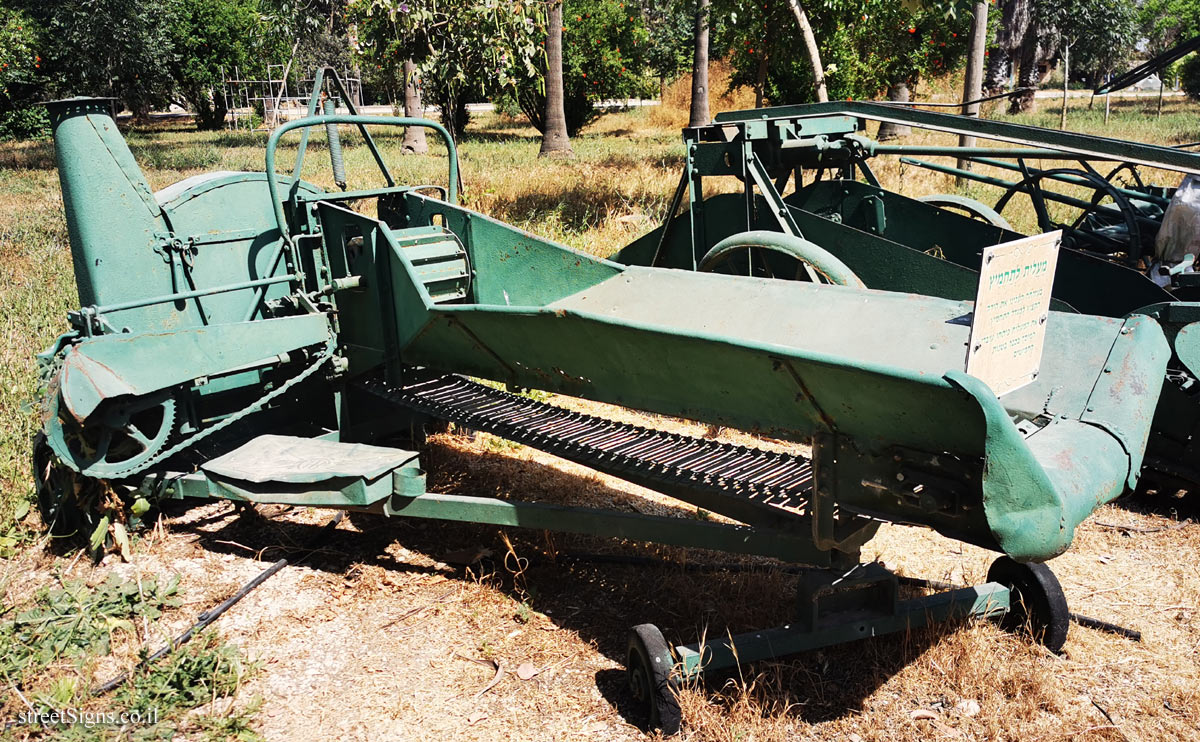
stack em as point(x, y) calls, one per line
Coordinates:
point(249, 336)
point(810, 206)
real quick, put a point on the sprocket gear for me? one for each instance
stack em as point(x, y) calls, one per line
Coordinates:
point(119, 436)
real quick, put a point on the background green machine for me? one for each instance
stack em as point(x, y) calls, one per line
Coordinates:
point(836, 212)
point(248, 336)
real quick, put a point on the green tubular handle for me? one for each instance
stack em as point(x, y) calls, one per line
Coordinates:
point(800, 249)
point(310, 121)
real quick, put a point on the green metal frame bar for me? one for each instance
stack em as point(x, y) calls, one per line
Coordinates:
point(135, 303)
point(311, 121)
point(735, 539)
point(318, 83)
point(1088, 145)
point(1028, 154)
point(982, 601)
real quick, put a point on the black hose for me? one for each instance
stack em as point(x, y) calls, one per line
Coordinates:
point(206, 618)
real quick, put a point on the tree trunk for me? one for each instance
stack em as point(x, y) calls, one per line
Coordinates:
point(973, 81)
point(1062, 119)
point(810, 45)
point(555, 141)
point(997, 75)
point(1027, 75)
point(760, 80)
point(898, 92)
point(414, 136)
point(141, 113)
point(699, 113)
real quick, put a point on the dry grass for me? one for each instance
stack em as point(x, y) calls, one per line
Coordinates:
point(335, 668)
point(675, 107)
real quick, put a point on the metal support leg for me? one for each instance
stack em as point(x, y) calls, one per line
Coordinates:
point(843, 610)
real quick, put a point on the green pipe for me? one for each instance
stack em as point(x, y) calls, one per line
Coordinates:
point(1074, 181)
point(362, 121)
point(1009, 185)
point(1032, 154)
point(182, 295)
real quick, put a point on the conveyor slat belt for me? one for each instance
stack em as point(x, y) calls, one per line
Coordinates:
point(778, 480)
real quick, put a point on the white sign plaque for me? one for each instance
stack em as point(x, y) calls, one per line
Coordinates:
point(1012, 304)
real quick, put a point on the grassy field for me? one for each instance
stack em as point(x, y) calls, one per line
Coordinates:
point(977, 683)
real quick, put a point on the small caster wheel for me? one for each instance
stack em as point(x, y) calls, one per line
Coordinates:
point(648, 669)
point(1037, 601)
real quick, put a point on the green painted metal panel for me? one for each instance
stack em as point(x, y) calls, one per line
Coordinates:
point(787, 378)
point(141, 363)
point(112, 217)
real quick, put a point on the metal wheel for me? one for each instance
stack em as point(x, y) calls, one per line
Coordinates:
point(1133, 172)
point(1037, 601)
point(747, 253)
point(1103, 228)
point(968, 206)
point(117, 437)
point(648, 669)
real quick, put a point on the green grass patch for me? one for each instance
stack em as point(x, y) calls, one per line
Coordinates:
point(51, 649)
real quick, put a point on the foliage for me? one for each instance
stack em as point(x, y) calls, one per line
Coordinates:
point(74, 621)
point(865, 47)
point(1165, 23)
point(1101, 34)
point(110, 47)
point(669, 26)
point(1189, 76)
point(20, 63)
point(604, 58)
point(75, 624)
point(29, 121)
point(207, 37)
point(20, 77)
point(203, 669)
point(461, 47)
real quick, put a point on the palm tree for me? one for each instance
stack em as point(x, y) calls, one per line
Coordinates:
point(414, 136)
point(555, 141)
point(699, 112)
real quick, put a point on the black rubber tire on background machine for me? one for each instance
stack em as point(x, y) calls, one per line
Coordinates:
point(1037, 601)
point(648, 668)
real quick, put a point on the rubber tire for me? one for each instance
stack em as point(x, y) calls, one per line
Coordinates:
point(1037, 601)
point(648, 669)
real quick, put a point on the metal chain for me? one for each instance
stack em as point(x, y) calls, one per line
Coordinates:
point(254, 406)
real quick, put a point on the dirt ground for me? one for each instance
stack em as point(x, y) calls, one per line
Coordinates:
point(411, 630)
